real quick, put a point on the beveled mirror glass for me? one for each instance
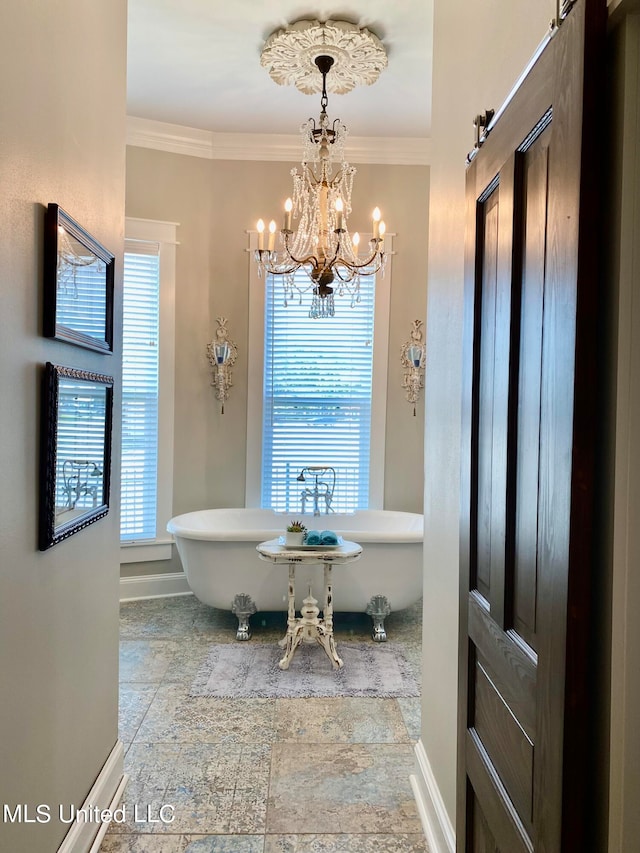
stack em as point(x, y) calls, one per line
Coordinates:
point(75, 453)
point(78, 284)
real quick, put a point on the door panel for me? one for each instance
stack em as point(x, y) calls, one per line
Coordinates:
point(508, 747)
point(483, 841)
point(492, 801)
point(529, 459)
point(490, 209)
point(509, 664)
point(534, 181)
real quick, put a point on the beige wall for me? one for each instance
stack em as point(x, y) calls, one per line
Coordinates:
point(491, 49)
point(62, 114)
point(215, 203)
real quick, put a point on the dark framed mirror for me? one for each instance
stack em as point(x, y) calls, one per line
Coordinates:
point(78, 284)
point(75, 453)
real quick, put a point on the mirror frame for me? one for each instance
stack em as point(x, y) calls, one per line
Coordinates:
point(48, 533)
point(55, 218)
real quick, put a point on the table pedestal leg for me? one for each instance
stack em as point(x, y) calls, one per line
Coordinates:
point(325, 629)
point(309, 628)
point(291, 642)
point(293, 637)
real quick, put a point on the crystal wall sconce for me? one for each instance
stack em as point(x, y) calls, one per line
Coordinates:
point(222, 354)
point(412, 356)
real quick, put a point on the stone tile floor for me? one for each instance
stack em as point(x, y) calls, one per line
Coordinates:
point(258, 775)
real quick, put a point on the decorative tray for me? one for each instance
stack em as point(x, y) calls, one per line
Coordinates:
point(281, 541)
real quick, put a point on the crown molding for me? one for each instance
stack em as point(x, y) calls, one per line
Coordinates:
point(176, 139)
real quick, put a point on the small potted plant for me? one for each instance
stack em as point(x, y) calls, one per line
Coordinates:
point(296, 532)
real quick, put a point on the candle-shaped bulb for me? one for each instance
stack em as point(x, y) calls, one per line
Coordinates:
point(355, 240)
point(381, 229)
point(288, 207)
point(260, 227)
point(339, 213)
point(272, 235)
point(376, 222)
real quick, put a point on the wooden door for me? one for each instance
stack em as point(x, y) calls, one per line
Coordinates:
point(529, 430)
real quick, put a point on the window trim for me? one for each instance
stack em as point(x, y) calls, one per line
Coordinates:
point(256, 370)
point(164, 234)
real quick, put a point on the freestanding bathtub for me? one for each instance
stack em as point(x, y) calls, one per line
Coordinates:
point(217, 548)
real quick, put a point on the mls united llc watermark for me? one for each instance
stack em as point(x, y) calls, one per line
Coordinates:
point(42, 813)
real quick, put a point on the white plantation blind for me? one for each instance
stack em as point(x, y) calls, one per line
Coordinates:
point(318, 378)
point(140, 386)
point(81, 296)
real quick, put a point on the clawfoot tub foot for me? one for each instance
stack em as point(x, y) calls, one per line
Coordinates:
point(379, 608)
point(243, 607)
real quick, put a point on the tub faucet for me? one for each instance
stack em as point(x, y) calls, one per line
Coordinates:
point(321, 489)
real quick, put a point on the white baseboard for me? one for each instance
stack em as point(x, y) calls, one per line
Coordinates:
point(154, 586)
point(437, 826)
point(85, 836)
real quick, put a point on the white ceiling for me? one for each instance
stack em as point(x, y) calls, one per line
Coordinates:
point(196, 63)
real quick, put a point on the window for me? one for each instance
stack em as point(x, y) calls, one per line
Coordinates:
point(317, 393)
point(317, 397)
point(147, 389)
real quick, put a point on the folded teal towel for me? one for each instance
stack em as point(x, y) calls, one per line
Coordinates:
point(328, 537)
point(313, 537)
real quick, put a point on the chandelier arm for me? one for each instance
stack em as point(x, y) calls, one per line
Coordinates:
point(356, 268)
point(316, 179)
point(353, 266)
point(342, 279)
point(336, 180)
point(277, 271)
point(310, 259)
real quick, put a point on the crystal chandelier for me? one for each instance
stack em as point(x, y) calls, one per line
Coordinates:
point(321, 245)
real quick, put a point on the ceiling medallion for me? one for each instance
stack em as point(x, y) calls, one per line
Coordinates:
point(289, 56)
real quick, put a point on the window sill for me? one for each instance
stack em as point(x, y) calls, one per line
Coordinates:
point(142, 552)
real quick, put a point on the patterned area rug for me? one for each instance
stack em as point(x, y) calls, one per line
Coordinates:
point(244, 670)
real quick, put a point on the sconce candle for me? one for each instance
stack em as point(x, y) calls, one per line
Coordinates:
point(222, 354)
point(339, 210)
point(412, 357)
point(272, 235)
point(415, 355)
point(221, 351)
point(260, 228)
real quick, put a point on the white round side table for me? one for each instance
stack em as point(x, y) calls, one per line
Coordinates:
point(308, 627)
